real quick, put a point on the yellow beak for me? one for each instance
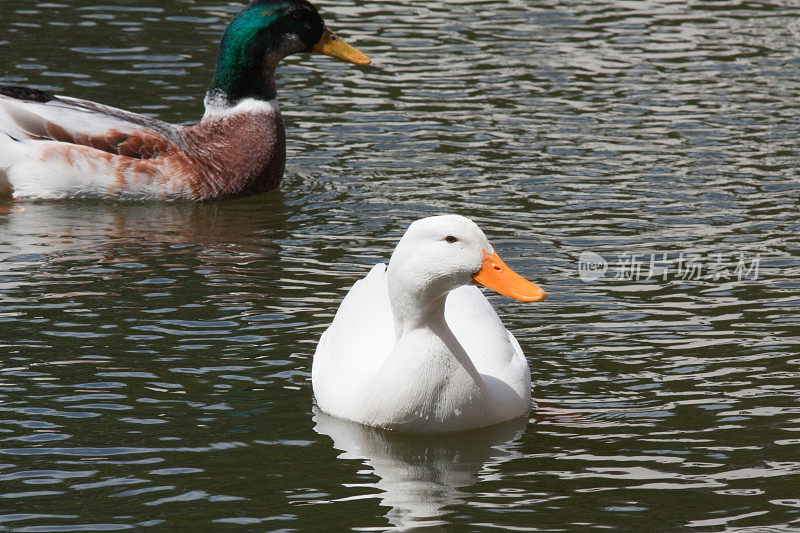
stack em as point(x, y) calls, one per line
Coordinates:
point(496, 275)
point(331, 45)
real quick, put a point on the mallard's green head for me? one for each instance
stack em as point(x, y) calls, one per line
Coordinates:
point(260, 36)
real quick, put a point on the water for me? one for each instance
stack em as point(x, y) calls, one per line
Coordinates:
point(157, 356)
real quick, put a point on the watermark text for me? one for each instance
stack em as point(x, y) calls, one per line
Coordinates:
point(721, 267)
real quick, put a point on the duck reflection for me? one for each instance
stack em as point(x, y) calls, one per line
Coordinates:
point(41, 230)
point(420, 475)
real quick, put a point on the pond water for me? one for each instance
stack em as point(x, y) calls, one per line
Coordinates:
point(156, 357)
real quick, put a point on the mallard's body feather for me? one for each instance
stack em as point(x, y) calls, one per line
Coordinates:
point(65, 147)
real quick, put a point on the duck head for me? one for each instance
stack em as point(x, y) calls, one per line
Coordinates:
point(439, 254)
point(260, 36)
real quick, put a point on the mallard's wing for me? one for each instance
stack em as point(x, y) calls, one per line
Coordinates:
point(54, 146)
point(31, 114)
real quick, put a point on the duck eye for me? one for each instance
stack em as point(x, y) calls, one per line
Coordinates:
point(450, 239)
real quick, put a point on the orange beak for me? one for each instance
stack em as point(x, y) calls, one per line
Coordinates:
point(495, 274)
point(332, 45)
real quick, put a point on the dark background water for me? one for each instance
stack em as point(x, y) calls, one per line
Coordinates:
point(156, 357)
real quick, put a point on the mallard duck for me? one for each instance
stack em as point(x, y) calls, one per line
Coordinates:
point(58, 147)
point(416, 347)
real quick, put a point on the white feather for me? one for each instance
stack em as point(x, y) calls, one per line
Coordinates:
point(216, 110)
point(361, 367)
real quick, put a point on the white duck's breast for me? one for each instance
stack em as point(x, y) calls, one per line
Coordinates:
point(491, 347)
point(351, 363)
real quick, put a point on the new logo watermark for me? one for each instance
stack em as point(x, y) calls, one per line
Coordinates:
point(591, 266)
point(666, 267)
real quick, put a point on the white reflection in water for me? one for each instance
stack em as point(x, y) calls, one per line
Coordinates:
point(35, 234)
point(420, 475)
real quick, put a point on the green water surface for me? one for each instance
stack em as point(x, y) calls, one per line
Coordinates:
point(156, 357)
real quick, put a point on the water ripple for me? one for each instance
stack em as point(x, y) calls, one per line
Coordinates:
point(157, 357)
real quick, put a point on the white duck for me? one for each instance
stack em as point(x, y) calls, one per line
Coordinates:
point(412, 348)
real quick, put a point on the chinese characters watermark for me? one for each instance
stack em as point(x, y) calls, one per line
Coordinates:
point(737, 266)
